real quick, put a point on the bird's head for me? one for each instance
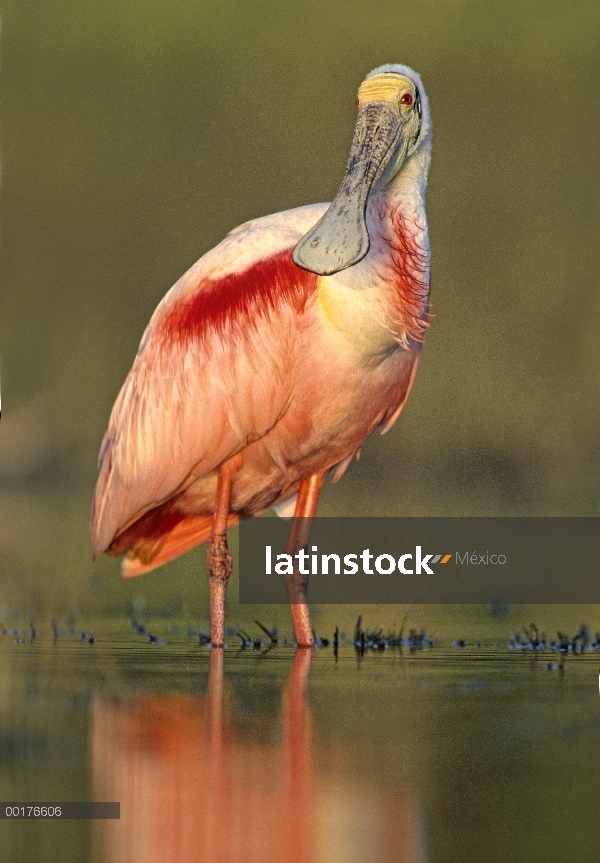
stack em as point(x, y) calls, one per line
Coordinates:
point(392, 124)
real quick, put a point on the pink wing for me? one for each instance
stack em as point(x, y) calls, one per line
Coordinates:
point(212, 370)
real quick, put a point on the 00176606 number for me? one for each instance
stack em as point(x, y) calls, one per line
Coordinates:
point(33, 812)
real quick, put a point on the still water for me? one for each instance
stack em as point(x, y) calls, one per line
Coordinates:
point(135, 136)
point(440, 755)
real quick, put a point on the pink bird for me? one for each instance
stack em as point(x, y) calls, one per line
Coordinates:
point(272, 360)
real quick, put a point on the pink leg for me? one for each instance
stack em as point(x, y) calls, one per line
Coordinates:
point(297, 584)
point(218, 557)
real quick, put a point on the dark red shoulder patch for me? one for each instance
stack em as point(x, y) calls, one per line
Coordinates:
point(239, 298)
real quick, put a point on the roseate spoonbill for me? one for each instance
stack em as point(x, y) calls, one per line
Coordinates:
point(274, 357)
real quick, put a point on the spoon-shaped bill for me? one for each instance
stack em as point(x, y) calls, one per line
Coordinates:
point(340, 238)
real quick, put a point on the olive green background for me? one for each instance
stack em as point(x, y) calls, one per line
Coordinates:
point(136, 134)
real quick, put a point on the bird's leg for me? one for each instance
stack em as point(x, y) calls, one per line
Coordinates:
point(218, 557)
point(297, 582)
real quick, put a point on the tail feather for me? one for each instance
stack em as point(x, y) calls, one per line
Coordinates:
point(187, 534)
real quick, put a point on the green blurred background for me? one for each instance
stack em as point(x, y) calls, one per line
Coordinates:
point(136, 134)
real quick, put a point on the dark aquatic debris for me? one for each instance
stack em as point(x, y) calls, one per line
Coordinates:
point(249, 641)
point(581, 642)
point(140, 629)
point(137, 626)
point(336, 642)
point(367, 639)
point(245, 640)
point(531, 641)
point(202, 635)
point(272, 633)
point(57, 630)
point(555, 666)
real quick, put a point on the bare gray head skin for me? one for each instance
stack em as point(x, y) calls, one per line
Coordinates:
point(387, 132)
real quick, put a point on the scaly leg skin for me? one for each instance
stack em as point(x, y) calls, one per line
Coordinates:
point(297, 583)
point(218, 558)
point(220, 566)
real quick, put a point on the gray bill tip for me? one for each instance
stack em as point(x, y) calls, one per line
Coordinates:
point(333, 244)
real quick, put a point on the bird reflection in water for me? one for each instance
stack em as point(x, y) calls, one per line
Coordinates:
point(191, 790)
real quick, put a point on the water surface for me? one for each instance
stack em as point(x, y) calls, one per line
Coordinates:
point(444, 754)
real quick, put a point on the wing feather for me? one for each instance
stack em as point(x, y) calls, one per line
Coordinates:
point(212, 370)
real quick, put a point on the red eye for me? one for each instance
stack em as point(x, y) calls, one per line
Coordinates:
point(407, 99)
